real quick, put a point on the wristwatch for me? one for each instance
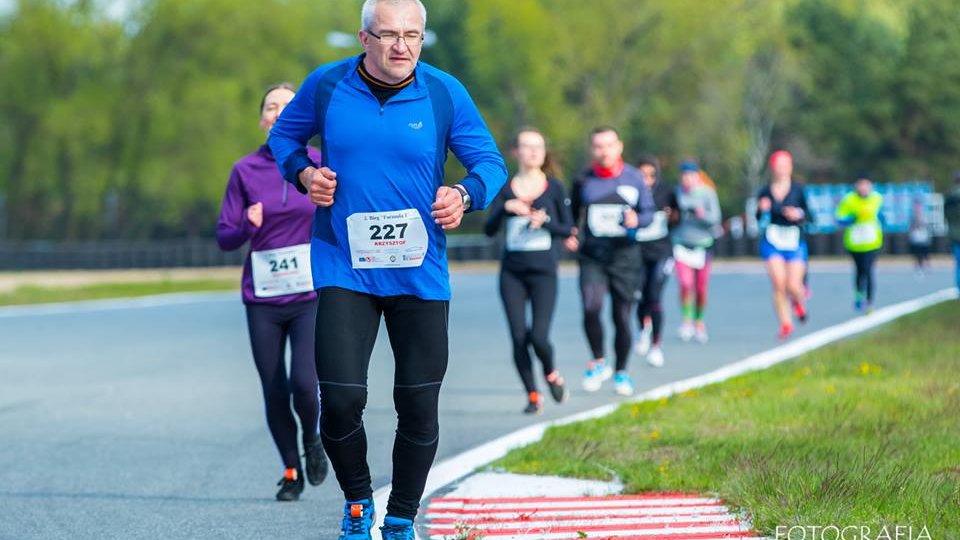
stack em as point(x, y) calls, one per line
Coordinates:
point(467, 201)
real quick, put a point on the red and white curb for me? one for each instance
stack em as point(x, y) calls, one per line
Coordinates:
point(661, 516)
point(667, 516)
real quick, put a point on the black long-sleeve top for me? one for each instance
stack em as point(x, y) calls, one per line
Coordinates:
point(524, 247)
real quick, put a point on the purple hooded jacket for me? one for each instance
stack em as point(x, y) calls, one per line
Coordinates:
point(287, 216)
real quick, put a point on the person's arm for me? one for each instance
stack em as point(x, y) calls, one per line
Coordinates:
point(844, 214)
point(496, 213)
point(561, 219)
point(646, 207)
point(712, 215)
point(471, 142)
point(711, 211)
point(764, 204)
point(674, 206)
point(233, 227)
point(295, 127)
point(576, 203)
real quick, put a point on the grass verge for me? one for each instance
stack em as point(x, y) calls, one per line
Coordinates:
point(31, 294)
point(865, 432)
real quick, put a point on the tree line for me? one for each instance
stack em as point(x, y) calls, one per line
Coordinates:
point(127, 126)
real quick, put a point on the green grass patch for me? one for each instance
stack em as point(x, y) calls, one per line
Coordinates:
point(862, 432)
point(29, 294)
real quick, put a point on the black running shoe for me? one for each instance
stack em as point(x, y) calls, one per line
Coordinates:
point(316, 462)
point(290, 490)
point(558, 387)
point(534, 404)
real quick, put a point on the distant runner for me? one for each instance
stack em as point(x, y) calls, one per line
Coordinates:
point(534, 210)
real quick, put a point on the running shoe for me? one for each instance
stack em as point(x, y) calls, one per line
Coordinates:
point(858, 303)
point(868, 308)
point(595, 375)
point(623, 384)
point(800, 311)
point(291, 486)
point(558, 387)
point(316, 462)
point(358, 518)
point(700, 334)
point(644, 342)
point(534, 403)
point(786, 330)
point(655, 357)
point(686, 331)
point(395, 528)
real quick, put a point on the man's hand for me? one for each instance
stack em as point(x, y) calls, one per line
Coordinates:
point(764, 204)
point(255, 214)
point(448, 208)
point(320, 183)
point(630, 219)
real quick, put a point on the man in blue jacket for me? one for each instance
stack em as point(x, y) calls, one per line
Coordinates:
point(385, 122)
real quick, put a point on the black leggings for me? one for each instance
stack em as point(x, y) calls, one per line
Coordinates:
point(269, 327)
point(619, 278)
point(347, 325)
point(653, 278)
point(864, 277)
point(540, 288)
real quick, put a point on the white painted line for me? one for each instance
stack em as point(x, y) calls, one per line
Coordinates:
point(506, 485)
point(452, 469)
point(114, 304)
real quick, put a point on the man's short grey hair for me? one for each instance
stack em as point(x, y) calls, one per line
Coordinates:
point(369, 6)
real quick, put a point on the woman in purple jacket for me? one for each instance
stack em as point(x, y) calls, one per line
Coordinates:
point(261, 207)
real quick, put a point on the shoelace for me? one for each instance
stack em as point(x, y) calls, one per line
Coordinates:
point(395, 532)
point(286, 481)
point(354, 525)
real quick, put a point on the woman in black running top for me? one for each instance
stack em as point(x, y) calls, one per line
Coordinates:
point(656, 252)
point(534, 212)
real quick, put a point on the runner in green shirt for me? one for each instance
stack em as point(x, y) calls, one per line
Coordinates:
point(859, 212)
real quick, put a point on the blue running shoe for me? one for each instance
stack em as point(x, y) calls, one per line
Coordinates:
point(595, 376)
point(623, 384)
point(395, 528)
point(358, 518)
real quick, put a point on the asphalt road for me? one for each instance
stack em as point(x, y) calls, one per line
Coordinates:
point(146, 422)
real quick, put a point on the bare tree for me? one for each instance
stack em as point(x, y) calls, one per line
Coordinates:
point(765, 88)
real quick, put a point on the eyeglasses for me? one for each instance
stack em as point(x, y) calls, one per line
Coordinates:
point(410, 39)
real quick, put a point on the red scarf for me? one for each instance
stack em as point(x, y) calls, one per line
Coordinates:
point(608, 172)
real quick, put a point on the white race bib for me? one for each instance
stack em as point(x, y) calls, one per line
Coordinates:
point(784, 237)
point(656, 230)
point(520, 237)
point(281, 271)
point(863, 234)
point(695, 258)
point(395, 239)
point(606, 220)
